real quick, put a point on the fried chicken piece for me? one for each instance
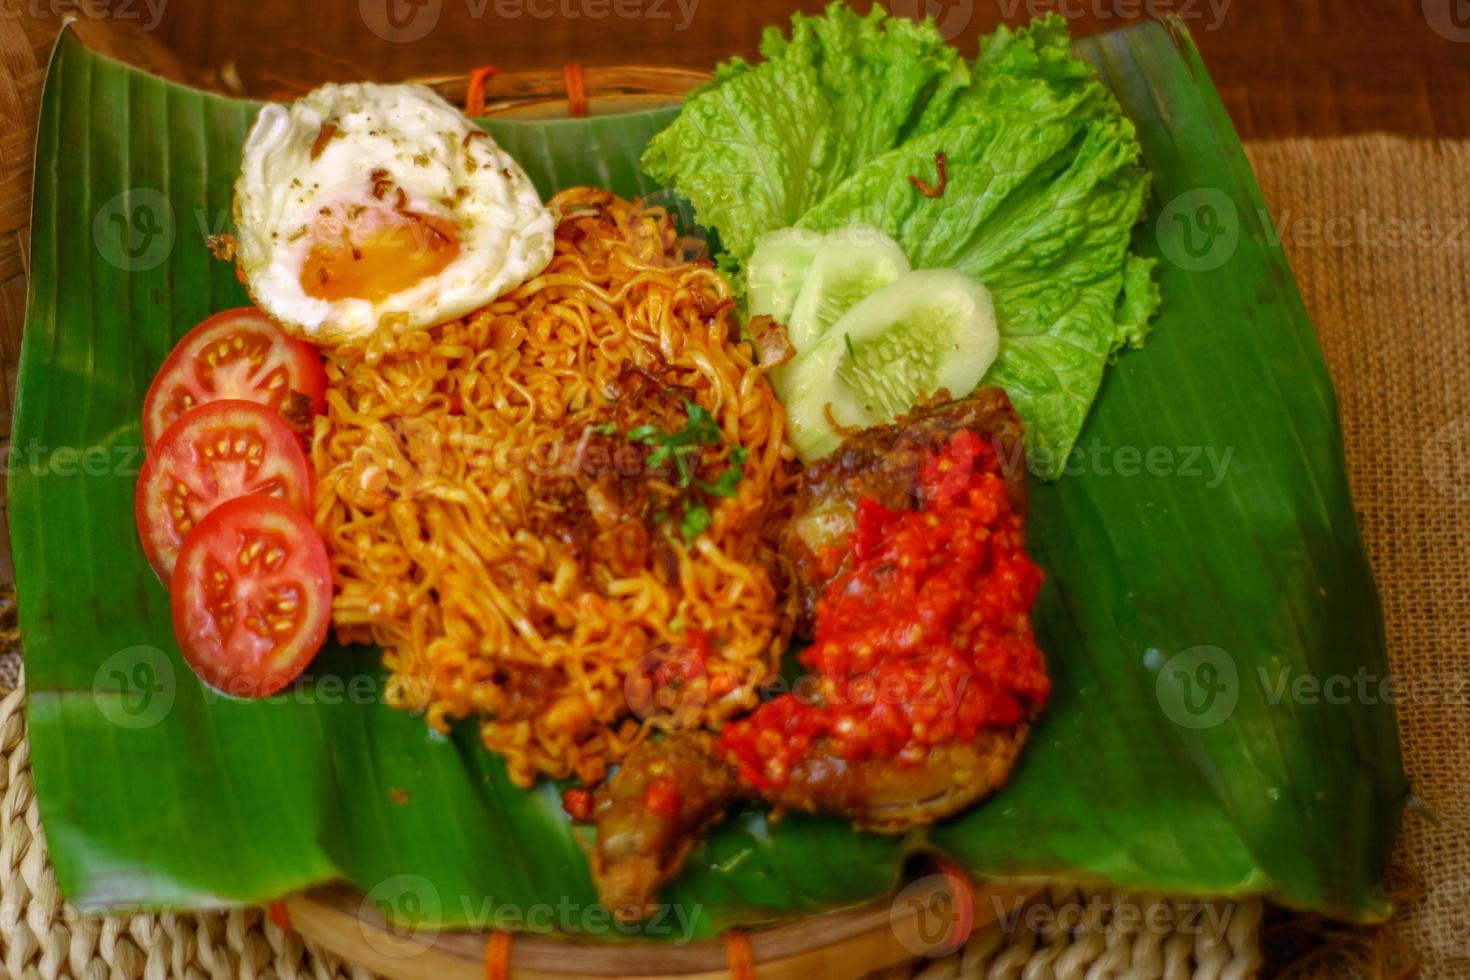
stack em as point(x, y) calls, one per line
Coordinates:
point(662, 799)
point(882, 464)
point(669, 792)
point(891, 796)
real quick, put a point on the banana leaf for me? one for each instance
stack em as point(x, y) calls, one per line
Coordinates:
point(1201, 556)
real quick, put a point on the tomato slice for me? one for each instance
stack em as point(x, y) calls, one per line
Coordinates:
point(235, 354)
point(252, 596)
point(211, 454)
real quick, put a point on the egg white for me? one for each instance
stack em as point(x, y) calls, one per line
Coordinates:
point(291, 168)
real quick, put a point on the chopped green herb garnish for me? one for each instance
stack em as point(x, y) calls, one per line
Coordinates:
point(724, 484)
point(683, 449)
point(701, 427)
point(605, 429)
point(682, 446)
point(847, 339)
point(696, 521)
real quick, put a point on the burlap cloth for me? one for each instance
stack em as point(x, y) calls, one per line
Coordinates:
point(1378, 233)
point(1390, 297)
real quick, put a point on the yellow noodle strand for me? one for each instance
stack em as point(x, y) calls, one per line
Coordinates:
point(455, 470)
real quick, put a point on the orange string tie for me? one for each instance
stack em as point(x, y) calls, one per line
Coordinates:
point(962, 887)
point(497, 956)
point(279, 915)
point(576, 91)
point(474, 96)
point(739, 955)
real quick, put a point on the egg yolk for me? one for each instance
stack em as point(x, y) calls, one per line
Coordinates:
point(371, 252)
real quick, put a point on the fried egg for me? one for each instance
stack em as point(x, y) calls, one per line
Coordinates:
point(365, 205)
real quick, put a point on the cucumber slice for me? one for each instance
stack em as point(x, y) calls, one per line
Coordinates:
point(777, 269)
point(808, 280)
point(927, 330)
point(851, 265)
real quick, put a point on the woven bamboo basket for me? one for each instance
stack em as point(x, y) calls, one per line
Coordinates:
point(847, 943)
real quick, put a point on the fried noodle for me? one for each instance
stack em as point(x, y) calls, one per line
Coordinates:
point(516, 554)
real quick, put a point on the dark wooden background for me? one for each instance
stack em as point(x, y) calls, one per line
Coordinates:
point(1283, 67)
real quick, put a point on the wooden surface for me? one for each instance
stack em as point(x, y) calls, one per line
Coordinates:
point(1283, 67)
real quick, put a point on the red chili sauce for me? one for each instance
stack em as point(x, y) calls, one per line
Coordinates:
point(924, 640)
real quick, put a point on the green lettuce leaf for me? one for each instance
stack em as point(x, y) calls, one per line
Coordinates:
point(1044, 185)
point(756, 148)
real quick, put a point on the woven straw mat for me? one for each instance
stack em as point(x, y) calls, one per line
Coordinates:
point(1375, 228)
